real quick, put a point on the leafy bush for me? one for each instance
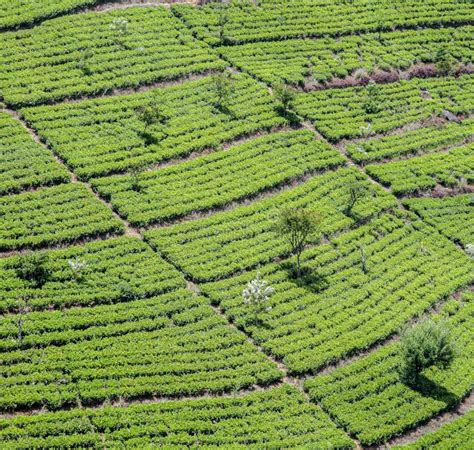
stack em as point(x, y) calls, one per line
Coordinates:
point(32, 267)
point(423, 345)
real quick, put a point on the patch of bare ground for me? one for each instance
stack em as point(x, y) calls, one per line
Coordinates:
point(441, 191)
point(361, 77)
point(432, 425)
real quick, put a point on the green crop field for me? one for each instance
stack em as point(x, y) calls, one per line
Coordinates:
point(237, 224)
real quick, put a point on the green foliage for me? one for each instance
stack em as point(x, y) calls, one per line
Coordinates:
point(277, 20)
point(24, 163)
point(444, 61)
point(421, 140)
point(110, 264)
point(99, 52)
point(168, 345)
point(214, 180)
point(372, 101)
point(32, 267)
point(223, 88)
point(218, 246)
point(351, 393)
point(335, 309)
point(453, 435)
point(355, 192)
point(423, 345)
point(191, 124)
point(277, 417)
point(400, 105)
point(295, 226)
point(119, 26)
point(54, 215)
point(27, 12)
point(453, 168)
point(301, 62)
point(452, 216)
point(150, 114)
point(285, 98)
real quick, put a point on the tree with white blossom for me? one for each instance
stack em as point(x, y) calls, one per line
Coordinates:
point(78, 268)
point(257, 294)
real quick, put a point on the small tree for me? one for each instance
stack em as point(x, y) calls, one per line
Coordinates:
point(120, 28)
point(424, 345)
point(222, 20)
point(223, 89)
point(78, 268)
point(32, 267)
point(444, 61)
point(355, 192)
point(257, 294)
point(83, 63)
point(372, 101)
point(296, 225)
point(20, 320)
point(285, 98)
point(150, 114)
point(136, 175)
point(363, 259)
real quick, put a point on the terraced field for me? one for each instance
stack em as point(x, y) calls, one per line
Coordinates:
point(147, 152)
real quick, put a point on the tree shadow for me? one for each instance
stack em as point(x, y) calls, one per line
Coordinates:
point(293, 119)
point(309, 278)
point(430, 389)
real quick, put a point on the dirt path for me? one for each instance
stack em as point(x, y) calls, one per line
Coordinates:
point(436, 422)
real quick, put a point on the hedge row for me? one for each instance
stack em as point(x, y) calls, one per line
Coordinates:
point(25, 164)
point(215, 180)
point(102, 136)
point(367, 398)
point(60, 214)
point(82, 54)
point(227, 242)
point(355, 291)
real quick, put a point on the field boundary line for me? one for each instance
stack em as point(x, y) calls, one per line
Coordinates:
point(433, 424)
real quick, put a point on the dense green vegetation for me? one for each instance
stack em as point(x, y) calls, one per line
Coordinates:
point(48, 63)
point(277, 417)
point(53, 215)
point(249, 21)
point(423, 173)
point(355, 112)
point(304, 62)
point(421, 140)
point(26, 12)
point(169, 345)
point(368, 399)
point(454, 435)
point(215, 180)
point(244, 224)
point(116, 270)
point(17, 151)
point(97, 137)
point(220, 245)
point(348, 301)
point(452, 216)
